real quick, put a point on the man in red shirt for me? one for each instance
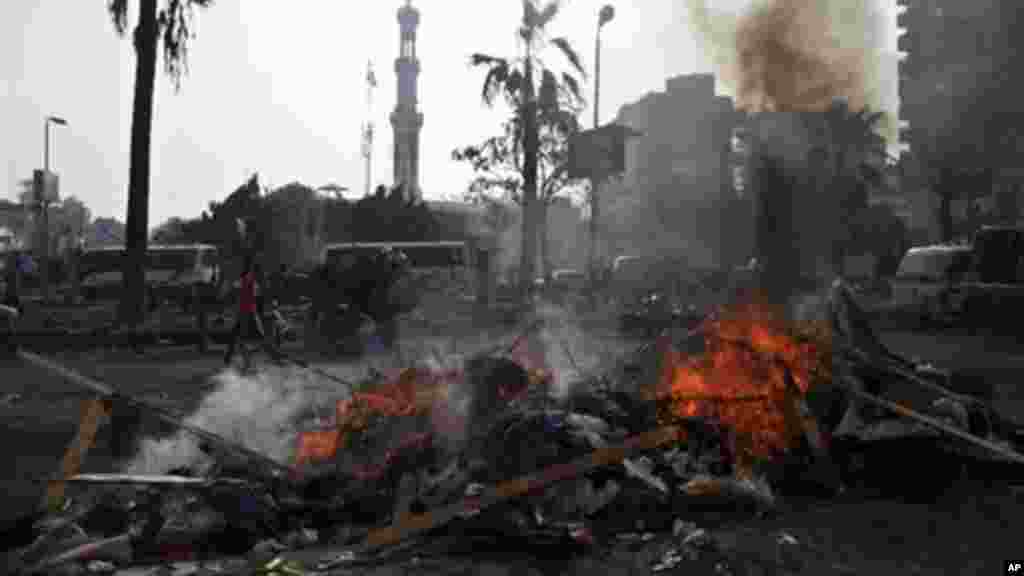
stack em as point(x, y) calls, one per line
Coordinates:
point(248, 318)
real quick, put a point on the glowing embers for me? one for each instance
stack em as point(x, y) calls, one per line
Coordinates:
point(740, 378)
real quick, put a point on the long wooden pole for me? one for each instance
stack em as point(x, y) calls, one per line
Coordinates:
point(105, 391)
point(411, 525)
point(1003, 451)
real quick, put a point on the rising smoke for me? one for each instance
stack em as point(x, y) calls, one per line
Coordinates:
point(261, 412)
point(569, 351)
point(798, 55)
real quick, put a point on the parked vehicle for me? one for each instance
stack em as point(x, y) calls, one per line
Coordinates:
point(176, 273)
point(992, 292)
point(564, 284)
point(927, 278)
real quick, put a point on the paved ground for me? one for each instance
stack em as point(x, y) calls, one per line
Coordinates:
point(968, 532)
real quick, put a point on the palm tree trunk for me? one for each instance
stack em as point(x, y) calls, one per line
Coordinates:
point(146, 37)
point(544, 239)
point(528, 254)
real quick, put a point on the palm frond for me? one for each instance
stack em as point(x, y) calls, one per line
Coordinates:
point(176, 21)
point(572, 85)
point(548, 91)
point(547, 14)
point(477, 59)
point(513, 87)
point(118, 10)
point(494, 82)
point(570, 54)
point(530, 15)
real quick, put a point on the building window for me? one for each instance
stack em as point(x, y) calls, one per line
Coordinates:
point(738, 140)
point(739, 180)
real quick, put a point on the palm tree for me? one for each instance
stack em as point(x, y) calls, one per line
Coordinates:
point(169, 26)
point(852, 146)
point(535, 92)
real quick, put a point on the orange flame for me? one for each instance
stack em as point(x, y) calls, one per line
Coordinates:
point(740, 380)
point(414, 391)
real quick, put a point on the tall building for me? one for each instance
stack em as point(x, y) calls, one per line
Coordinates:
point(669, 200)
point(960, 89)
point(406, 119)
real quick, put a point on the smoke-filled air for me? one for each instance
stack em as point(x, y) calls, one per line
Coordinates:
point(797, 55)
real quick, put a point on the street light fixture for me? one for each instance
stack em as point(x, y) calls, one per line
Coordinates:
point(605, 16)
point(44, 220)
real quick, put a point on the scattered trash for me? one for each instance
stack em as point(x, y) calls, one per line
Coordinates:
point(10, 399)
point(787, 540)
point(101, 567)
point(698, 538)
point(485, 452)
point(668, 561)
point(683, 528)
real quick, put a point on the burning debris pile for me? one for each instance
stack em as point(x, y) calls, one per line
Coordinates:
point(455, 455)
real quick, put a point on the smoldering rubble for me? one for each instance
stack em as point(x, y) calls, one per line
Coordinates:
point(465, 456)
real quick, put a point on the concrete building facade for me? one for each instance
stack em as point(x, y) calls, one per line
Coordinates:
point(669, 201)
point(960, 88)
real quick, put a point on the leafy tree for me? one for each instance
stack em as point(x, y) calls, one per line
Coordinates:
point(295, 220)
point(387, 216)
point(168, 26)
point(105, 232)
point(882, 234)
point(338, 220)
point(499, 166)
point(534, 91)
point(852, 146)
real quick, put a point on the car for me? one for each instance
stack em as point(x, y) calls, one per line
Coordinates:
point(926, 279)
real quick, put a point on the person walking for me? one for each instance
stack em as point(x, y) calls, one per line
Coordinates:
point(248, 321)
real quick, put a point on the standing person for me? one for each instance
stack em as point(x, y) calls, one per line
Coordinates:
point(248, 319)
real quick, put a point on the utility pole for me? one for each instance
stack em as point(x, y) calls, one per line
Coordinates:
point(42, 191)
point(371, 83)
point(606, 14)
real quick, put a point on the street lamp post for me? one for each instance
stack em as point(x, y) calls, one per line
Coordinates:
point(606, 15)
point(44, 220)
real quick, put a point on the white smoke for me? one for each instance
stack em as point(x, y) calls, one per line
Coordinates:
point(260, 412)
point(570, 352)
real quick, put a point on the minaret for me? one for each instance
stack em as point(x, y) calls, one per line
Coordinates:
point(406, 120)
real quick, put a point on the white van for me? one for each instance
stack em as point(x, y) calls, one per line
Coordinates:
point(172, 270)
point(925, 276)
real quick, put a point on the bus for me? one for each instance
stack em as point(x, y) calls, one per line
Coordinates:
point(420, 255)
point(172, 271)
point(432, 267)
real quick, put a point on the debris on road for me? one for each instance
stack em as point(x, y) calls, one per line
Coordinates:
point(481, 451)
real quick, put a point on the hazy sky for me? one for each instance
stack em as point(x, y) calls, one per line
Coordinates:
point(278, 87)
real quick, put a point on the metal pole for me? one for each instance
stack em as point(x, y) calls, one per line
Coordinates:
point(44, 220)
point(597, 76)
point(596, 181)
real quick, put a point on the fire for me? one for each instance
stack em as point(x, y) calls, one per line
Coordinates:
point(740, 380)
point(413, 392)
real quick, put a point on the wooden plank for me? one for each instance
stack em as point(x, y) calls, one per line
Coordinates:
point(411, 525)
point(150, 480)
point(93, 412)
point(992, 447)
point(102, 389)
